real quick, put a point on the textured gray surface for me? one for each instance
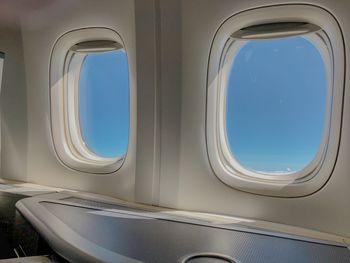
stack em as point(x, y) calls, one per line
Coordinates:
point(98, 205)
point(154, 240)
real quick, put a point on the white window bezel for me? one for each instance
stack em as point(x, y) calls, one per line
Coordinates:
point(221, 57)
point(65, 68)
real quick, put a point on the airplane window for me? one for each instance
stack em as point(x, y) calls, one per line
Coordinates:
point(90, 100)
point(274, 101)
point(104, 103)
point(276, 104)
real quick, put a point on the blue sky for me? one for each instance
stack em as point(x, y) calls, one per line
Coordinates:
point(276, 104)
point(104, 103)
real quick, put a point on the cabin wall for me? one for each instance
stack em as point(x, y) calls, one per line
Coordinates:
point(168, 43)
point(42, 165)
point(197, 186)
point(13, 103)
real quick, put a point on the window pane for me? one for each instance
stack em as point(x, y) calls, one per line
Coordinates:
point(104, 103)
point(276, 104)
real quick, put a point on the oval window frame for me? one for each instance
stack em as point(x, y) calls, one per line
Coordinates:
point(78, 158)
point(225, 168)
